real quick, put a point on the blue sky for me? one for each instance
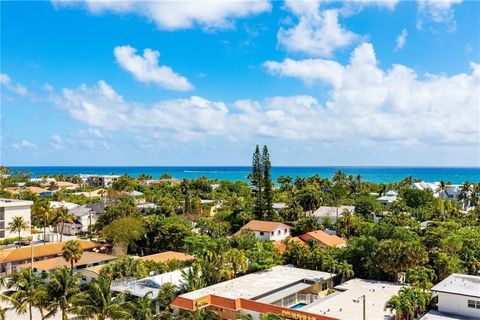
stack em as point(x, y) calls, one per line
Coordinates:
point(321, 82)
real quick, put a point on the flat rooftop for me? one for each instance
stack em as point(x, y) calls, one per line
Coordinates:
point(14, 202)
point(151, 284)
point(460, 284)
point(347, 302)
point(437, 315)
point(259, 283)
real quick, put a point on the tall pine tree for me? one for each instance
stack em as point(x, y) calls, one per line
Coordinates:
point(267, 185)
point(262, 184)
point(256, 179)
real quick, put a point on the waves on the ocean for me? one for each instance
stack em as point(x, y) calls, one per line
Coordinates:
point(372, 174)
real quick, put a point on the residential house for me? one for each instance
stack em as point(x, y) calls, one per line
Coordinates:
point(323, 239)
point(84, 216)
point(268, 230)
point(11, 258)
point(388, 198)
point(100, 180)
point(330, 212)
point(88, 259)
point(167, 256)
point(458, 298)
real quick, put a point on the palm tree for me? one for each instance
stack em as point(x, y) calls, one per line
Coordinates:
point(421, 277)
point(98, 303)
point(192, 278)
point(331, 265)
point(142, 308)
point(166, 295)
point(62, 289)
point(200, 314)
point(409, 303)
point(464, 194)
point(63, 216)
point(25, 290)
point(345, 270)
point(442, 187)
point(270, 316)
point(236, 261)
point(345, 220)
point(18, 224)
point(46, 213)
point(72, 252)
point(475, 194)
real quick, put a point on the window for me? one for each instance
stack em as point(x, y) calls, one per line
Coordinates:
point(279, 232)
point(2, 213)
point(261, 233)
point(471, 303)
point(478, 304)
point(273, 233)
point(324, 286)
point(286, 231)
point(2, 233)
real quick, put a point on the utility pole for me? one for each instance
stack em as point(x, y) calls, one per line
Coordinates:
point(31, 246)
point(364, 309)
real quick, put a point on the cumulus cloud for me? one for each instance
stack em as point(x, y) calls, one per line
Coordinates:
point(401, 39)
point(396, 104)
point(437, 11)
point(317, 33)
point(23, 144)
point(147, 69)
point(17, 88)
point(174, 15)
point(100, 106)
point(365, 103)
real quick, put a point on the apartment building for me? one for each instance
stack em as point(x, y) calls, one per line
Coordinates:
point(10, 208)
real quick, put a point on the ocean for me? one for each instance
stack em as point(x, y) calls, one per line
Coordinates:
point(372, 174)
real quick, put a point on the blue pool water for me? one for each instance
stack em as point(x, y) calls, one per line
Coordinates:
point(372, 174)
point(298, 306)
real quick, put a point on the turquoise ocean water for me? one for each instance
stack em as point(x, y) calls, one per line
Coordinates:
point(373, 174)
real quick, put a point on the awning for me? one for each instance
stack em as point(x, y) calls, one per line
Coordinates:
point(285, 292)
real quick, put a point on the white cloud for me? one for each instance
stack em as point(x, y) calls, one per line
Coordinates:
point(101, 107)
point(174, 15)
point(397, 104)
point(365, 104)
point(23, 144)
point(17, 88)
point(57, 142)
point(437, 11)
point(318, 33)
point(146, 68)
point(401, 39)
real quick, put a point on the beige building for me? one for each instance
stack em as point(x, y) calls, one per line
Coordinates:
point(10, 208)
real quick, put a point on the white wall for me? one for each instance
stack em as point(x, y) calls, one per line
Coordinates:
point(457, 304)
point(17, 211)
point(278, 234)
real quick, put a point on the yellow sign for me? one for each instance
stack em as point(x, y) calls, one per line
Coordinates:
point(296, 316)
point(201, 303)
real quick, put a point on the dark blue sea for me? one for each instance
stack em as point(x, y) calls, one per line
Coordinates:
point(372, 174)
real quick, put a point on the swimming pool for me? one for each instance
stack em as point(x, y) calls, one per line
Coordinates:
point(298, 306)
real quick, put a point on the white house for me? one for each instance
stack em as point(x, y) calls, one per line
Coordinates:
point(388, 198)
point(99, 180)
point(331, 212)
point(10, 208)
point(451, 192)
point(458, 294)
point(268, 230)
